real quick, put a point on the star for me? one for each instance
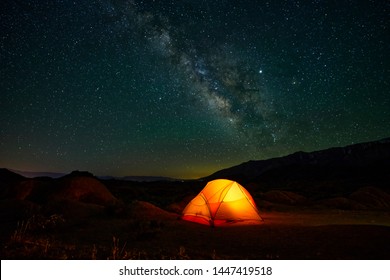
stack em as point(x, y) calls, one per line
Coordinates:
point(131, 88)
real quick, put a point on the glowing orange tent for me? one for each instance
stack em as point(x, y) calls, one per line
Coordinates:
point(221, 201)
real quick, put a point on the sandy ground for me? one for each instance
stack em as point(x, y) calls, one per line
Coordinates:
point(326, 217)
point(287, 235)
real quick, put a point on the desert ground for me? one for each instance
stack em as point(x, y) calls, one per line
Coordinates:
point(155, 234)
point(121, 220)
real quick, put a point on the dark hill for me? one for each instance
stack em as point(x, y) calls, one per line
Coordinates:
point(8, 176)
point(326, 173)
point(8, 180)
point(84, 188)
point(79, 186)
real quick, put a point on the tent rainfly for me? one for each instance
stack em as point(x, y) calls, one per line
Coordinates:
point(221, 202)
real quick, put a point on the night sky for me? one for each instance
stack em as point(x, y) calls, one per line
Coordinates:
point(185, 88)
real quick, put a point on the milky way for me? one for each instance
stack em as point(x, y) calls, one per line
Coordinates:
point(213, 73)
point(184, 88)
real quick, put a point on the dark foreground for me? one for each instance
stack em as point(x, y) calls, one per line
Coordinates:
point(148, 232)
point(80, 217)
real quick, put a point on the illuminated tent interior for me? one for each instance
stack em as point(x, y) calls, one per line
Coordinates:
point(222, 202)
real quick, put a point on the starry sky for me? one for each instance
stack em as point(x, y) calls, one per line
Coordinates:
point(185, 88)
